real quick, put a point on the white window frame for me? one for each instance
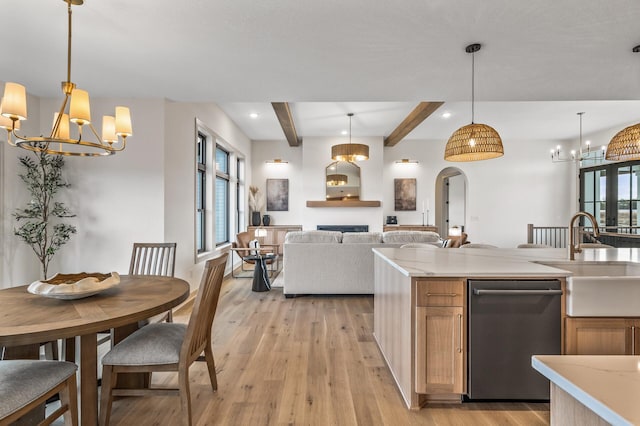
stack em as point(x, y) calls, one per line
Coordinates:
point(235, 207)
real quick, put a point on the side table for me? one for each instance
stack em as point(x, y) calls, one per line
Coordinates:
point(261, 280)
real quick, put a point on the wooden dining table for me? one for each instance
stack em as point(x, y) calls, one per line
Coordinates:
point(27, 320)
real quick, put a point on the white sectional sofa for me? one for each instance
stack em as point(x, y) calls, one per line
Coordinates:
point(331, 262)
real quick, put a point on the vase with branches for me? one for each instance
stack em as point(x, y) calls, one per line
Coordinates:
point(43, 229)
point(256, 204)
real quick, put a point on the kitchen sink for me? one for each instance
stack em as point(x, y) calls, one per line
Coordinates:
point(601, 289)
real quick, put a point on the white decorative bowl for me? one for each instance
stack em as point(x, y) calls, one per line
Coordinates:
point(74, 286)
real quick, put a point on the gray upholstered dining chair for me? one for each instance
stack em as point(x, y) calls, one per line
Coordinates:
point(25, 384)
point(149, 259)
point(167, 347)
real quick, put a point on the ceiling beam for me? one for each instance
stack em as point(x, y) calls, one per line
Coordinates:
point(413, 120)
point(283, 112)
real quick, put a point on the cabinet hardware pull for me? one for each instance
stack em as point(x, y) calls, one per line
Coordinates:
point(633, 340)
point(482, 292)
point(442, 294)
point(460, 331)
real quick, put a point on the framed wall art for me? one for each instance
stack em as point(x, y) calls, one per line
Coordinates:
point(277, 195)
point(405, 194)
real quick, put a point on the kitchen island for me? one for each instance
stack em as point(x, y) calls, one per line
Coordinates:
point(592, 390)
point(421, 313)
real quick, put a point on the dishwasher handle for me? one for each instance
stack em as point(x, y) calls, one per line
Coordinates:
point(483, 292)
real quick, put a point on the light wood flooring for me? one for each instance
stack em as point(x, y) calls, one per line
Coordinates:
point(302, 361)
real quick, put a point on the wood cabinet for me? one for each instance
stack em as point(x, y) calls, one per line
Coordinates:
point(602, 336)
point(440, 327)
point(386, 228)
point(275, 234)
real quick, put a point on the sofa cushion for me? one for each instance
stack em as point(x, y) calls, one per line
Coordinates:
point(404, 237)
point(313, 237)
point(361, 237)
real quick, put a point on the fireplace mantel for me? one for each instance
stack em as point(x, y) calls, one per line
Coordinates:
point(344, 203)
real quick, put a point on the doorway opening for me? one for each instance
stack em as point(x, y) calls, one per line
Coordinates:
point(451, 200)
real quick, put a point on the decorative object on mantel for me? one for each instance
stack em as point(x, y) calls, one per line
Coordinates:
point(256, 203)
point(625, 145)
point(42, 229)
point(115, 129)
point(583, 154)
point(74, 286)
point(278, 195)
point(474, 141)
point(350, 151)
point(266, 220)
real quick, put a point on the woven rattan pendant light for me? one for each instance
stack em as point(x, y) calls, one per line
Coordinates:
point(474, 141)
point(625, 145)
point(350, 151)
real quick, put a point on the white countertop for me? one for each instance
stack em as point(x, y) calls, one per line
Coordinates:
point(481, 262)
point(608, 385)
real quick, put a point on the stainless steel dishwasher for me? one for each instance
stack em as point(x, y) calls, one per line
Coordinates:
point(508, 322)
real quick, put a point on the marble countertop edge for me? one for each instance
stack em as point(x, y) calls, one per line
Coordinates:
point(601, 409)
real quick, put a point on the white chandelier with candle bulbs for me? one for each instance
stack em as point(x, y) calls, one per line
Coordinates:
point(75, 108)
point(584, 153)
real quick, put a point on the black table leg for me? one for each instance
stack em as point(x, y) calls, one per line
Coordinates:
point(261, 276)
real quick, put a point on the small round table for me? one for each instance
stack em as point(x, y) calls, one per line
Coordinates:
point(260, 273)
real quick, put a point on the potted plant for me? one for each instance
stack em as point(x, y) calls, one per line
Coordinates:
point(43, 230)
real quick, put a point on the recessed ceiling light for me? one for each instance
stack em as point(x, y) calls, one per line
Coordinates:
point(254, 115)
point(446, 114)
point(344, 132)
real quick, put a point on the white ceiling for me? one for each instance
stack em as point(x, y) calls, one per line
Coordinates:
point(541, 62)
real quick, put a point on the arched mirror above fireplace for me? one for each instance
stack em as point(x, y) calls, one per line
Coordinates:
point(342, 181)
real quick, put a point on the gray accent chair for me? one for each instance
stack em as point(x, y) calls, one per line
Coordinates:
point(167, 347)
point(26, 384)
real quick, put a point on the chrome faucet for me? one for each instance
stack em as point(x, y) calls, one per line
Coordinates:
point(573, 249)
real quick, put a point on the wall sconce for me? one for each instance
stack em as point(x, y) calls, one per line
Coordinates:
point(406, 161)
point(277, 161)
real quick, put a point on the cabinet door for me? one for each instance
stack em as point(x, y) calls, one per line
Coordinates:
point(600, 336)
point(440, 350)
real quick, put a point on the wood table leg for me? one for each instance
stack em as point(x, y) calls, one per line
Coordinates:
point(89, 379)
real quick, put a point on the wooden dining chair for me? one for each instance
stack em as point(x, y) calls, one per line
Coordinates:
point(26, 384)
point(167, 347)
point(154, 259)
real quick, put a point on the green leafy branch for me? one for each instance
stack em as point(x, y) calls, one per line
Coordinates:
point(42, 229)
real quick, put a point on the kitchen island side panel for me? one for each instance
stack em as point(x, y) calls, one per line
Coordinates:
point(393, 325)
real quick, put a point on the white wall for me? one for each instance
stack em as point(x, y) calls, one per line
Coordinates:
point(144, 193)
point(503, 195)
point(179, 178)
point(306, 174)
point(263, 151)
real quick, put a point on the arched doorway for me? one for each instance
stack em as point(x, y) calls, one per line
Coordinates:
point(451, 199)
